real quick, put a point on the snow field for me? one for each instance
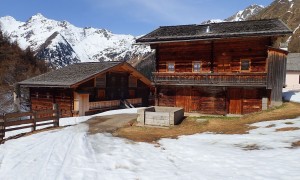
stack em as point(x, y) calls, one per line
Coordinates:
point(71, 153)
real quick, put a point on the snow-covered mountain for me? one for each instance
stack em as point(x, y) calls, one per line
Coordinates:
point(289, 12)
point(241, 15)
point(246, 13)
point(212, 21)
point(61, 43)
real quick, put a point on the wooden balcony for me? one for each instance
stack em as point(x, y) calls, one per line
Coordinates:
point(211, 79)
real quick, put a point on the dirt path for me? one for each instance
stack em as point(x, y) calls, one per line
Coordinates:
point(109, 123)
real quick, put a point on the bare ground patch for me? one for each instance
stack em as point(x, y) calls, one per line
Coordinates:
point(296, 144)
point(270, 126)
point(249, 147)
point(287, 129)
point(288, 123)
point(217, 124)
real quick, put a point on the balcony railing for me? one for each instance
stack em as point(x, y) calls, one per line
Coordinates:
point(104, 104)
point(135, 101)
point(211, 79)
point(113, 103)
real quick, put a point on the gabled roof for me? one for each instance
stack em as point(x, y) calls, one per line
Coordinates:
point(293, 62)
point(267, 27)
point(74, 74)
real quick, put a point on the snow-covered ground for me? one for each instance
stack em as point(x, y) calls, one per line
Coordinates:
point(293, 96)
point(72, 153)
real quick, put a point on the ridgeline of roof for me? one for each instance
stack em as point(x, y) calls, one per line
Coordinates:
point(69, 75)
point(293, 62)
point(266, 27)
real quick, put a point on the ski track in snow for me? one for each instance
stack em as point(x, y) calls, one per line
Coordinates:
point(71, 153)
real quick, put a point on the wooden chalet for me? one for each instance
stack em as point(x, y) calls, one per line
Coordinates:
point(87, 88)
point(219, 68)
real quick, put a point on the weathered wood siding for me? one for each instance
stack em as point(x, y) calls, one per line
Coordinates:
point(213, 100)
point(276, 74)
point(245, 100)
point(44, 98)
point(208, 100)
point(219, 55)
point(252, 100)
point(118, 85)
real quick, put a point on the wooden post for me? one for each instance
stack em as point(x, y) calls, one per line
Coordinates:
point(2, 128)
point(156, 96)
point(34, 118)
point(56, 114)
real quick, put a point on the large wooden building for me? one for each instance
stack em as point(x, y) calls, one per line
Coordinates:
point(86, 88)
point(219, 68)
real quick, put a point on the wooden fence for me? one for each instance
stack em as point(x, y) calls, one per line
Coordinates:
point(25, 120)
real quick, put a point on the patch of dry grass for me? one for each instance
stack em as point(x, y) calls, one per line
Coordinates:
point(218, 124)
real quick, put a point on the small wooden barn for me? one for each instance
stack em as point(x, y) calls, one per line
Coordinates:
point(87, 88)
point(219, 68)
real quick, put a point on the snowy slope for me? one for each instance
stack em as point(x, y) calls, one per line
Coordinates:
point(72, 153)
point(246, 13)
point(85, 44)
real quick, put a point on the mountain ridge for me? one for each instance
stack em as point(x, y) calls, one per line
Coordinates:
point(82, 44)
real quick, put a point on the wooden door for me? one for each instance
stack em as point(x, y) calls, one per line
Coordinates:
point(195, 100)
point(183, 97)
point(235, 100)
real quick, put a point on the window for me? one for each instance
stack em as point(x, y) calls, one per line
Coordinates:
point(245, 65)
point(171, 67)
point(196, 66)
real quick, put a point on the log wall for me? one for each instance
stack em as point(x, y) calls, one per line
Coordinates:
point(208, 100)
point(218, 56)
point(44, 98)
point(212, 100)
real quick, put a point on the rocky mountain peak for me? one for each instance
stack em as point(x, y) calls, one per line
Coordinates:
point(36, 17)
point(246, 13)
point(61, 43)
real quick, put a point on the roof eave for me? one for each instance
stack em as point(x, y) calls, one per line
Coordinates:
point(211, 37)
point(43, 85)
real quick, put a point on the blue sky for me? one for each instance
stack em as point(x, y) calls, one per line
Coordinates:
point(134, 17)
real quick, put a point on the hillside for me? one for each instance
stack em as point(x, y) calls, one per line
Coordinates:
point(61, 43)
point(289, 12)
point(15, 65)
